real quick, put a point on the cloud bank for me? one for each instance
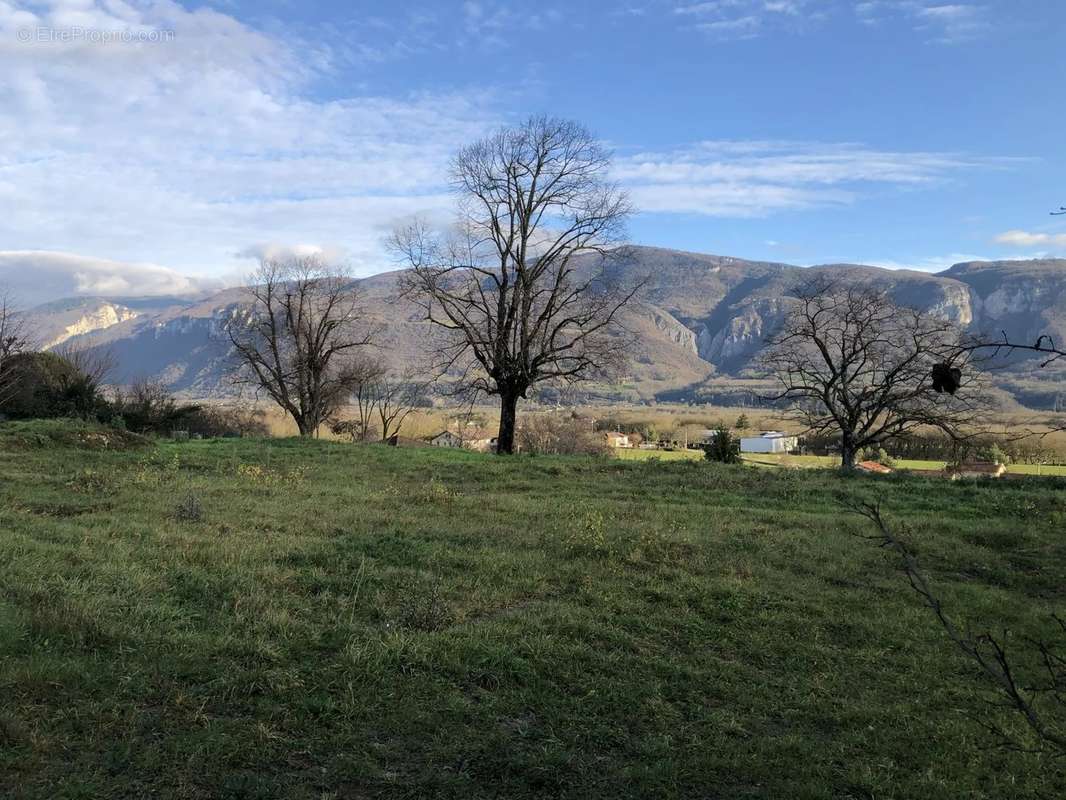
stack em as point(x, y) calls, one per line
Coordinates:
point(35, 276)
point(184, 151)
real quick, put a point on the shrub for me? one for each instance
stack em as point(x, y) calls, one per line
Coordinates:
point(148, 407)
point(723, 447)
point(48, 386)
point(993, 453)
point(588, 536)
point(423, 607)
point(189, 509)
point(884, 459)
point(552, 434)
point(226, 421)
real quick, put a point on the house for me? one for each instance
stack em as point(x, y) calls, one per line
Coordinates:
point(616, 439)
point(873, 467)
point(446, 439)
point(975, 469)
point(480, 440)
point(769, 442)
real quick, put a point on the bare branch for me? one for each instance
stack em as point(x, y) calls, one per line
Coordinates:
point(987, 653)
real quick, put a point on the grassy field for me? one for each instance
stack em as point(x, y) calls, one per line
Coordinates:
point(831, 462)
point(287, 619)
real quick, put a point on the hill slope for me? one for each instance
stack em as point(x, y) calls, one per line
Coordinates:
point(329, 620)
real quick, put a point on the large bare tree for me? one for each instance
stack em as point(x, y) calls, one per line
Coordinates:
point(850, 361)
point(14, 339)
point(297, 340)
point(512, 301)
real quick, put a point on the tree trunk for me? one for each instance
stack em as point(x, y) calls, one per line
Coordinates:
point(508, 414)
point(848, 452)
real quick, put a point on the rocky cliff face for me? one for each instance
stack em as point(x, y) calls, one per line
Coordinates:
point(744, 335)
point(61, 322)
point(699, 315)
point(674, 331)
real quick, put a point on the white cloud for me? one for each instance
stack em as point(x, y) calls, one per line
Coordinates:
point(182, 152)
point(1026, 239)
point(945, 23)
point(745, 179)
point(746, 19)
point(34, 276)
point(279, 251)
point(938, 21)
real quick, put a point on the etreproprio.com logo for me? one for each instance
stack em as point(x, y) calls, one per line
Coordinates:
point(76, 34)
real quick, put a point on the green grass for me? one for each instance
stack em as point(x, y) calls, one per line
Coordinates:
point(286, 619)
point(829, 462)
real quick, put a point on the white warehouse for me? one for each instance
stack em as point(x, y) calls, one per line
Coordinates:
point(769, 442)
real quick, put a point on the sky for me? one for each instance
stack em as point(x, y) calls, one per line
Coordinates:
point(163, 147)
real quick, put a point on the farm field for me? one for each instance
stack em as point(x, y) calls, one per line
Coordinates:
point(312, 619)
point(635, 454)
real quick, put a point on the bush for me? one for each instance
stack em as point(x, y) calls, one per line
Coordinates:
point(226, 422)
point(551, 434)
point(189, 509)
point(149, 407)
point(723, 447)
point(48, 386)
point(993, 453)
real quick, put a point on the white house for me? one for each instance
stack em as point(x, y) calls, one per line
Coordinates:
point(446, 439)
point(616, 439)
point(769, 442)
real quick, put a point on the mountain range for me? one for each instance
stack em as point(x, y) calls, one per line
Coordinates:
point(700, 318)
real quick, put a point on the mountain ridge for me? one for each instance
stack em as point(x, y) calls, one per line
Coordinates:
point(699, 315)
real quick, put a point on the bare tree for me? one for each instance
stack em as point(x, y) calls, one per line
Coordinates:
point(505, 289)
point(379, 396)
point(366, 371)
point(850, 361)
point(397, 397)
point(296, 341)
point(14, 339)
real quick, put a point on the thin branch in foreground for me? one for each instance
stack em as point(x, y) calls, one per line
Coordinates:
point(991, 658)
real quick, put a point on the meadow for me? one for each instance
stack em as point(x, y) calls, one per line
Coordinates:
point(314, 619)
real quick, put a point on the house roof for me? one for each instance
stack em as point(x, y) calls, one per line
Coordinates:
point(873, 466)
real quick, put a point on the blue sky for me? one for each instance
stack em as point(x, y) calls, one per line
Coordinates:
point(899, 132)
